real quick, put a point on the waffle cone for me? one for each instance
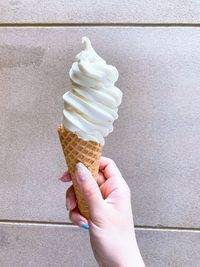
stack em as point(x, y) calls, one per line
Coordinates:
point(78, 150)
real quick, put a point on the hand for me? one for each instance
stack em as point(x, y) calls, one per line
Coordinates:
point(110, 224)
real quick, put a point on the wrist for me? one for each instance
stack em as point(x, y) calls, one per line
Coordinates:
point(122, 255)
point(130, 255)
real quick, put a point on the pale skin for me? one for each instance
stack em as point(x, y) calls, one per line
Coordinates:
point(111, 225)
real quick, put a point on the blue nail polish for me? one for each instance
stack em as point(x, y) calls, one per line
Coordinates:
point(85, 226)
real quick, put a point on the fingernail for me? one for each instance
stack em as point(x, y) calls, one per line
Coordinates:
point(85, 226)
point(67, 203)
point(62, 176)
point(66, 177)
point(82, 171)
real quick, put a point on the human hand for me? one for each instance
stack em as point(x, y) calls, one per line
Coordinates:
point(110, 224)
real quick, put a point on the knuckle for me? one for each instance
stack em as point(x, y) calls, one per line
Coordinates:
point(113, 164)
point(125, 190)
point(111, 161)
point(128, 191)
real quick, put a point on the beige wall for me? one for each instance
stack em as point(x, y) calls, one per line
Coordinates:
point(156, 139)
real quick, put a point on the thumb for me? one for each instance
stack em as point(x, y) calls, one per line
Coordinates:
point(89, 188)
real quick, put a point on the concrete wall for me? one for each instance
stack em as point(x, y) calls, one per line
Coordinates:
point(155, 46)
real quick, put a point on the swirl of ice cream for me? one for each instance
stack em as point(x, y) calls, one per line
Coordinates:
point(91, 107)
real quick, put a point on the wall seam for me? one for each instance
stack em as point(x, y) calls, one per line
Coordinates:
point(99, 24)
point(68, 224)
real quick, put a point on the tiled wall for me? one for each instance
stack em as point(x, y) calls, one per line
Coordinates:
point(156, 142)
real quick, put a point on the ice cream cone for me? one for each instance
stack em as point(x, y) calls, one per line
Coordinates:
point(90, 109)
point(78, 150)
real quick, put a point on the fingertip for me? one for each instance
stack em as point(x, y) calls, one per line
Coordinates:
point(85, 226)
point(66, 177)
point(77, 218)
point(62, 179)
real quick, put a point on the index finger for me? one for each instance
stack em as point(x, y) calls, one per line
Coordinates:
point(66, 177)
point(109, 168)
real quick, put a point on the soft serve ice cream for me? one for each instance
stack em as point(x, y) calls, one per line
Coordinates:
point(91, 107)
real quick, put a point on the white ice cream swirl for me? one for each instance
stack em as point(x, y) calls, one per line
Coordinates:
point(90, 108)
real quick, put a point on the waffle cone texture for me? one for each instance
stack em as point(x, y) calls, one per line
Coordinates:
point(76, 150)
